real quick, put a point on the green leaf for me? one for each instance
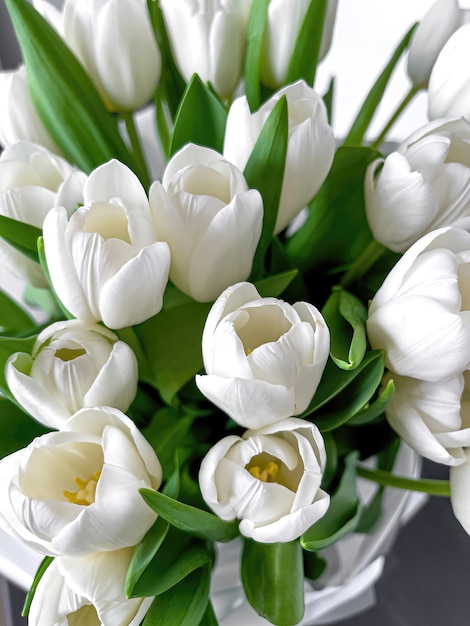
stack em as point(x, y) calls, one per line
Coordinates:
point(331, 460)
point(328, 99)
point(314, 565)
point(304, 60)
point(342, 514)
point(346, 316)
point(375, 95)
point(184, 604)
point(17, 428)
point(273, 580)
point(209, 618)
point(256, 26)
point(12, 316)
point(172, 345)
point(63, 94)
point(189, 518)
point(47, 560)
point(377, 408)
point(336, 229)
point(265, 172)
point(21, 236)
point(201, 118)
point(8, 346)
point(166, 433)
point(346, 391)
point(273, 286)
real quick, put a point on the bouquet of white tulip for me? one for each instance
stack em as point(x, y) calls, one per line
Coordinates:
point(162, 337)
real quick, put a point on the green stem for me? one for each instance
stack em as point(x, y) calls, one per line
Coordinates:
point(363, 263)
point(399, 110)
point(425, 485)
point(136, 148)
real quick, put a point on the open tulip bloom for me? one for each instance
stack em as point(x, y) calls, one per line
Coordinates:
point(232, 325)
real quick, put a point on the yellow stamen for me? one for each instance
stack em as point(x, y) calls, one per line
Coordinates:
point(268, 474)
point(86, 490)
point(248, 351)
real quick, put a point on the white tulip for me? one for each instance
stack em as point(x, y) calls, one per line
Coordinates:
point(208, 39)
point(459, 479)
point(421, 314)
point(76, 491)
point(310, 146)
point(32, 181)
point(87, 590)
point(18, 117)
point(433, 419)
point(73, 365)
point(269, 479)
point(422, 186)
point(449, 83)
point(210, 219)
point(263, 357)
point(285, 19)
point(434, 30)
point(105, 262)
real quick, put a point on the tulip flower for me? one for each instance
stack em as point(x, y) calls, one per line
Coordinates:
point(87, 590)
point(423, 185)
point(210, 219)
point(73, 365)
point(432, 418)
point(32, 180)
point(263, 357)
point(269, 479)
point(449, 83)
point(310, 147)
point(105, 261)
point(208, 39)
point(434, 30)
point(76, 491)
point(421, 314)
point(285, 19)
point(18, 117)
point(459, 479)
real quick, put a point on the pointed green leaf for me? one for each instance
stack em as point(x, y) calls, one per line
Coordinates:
point(329, 98)
point(377, 408)
point(47, 560)
point(375, 95)
point(21, 236)
point(63, 94)
point(331, 460)
point(256, 26)
point(273, 580)
point(201, 118)
point(342, 514)
point(189, 518)
point(304, 60)
point(209, 617)
point(273, 286)
point(166, 433)
point(12, 316)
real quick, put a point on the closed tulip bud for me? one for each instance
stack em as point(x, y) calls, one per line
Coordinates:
point(72, 365)
point(105, 261)
point(32, 180)
point(449, 84)
point(208, 39)
point(422, 186)
point(432, 418)
point(310, 145)
point(76, 491)
point(285, 19)
point(18, 117)
point(421, 314)
point(264, 358)
point(269, 479)
point(209, 218)
point(434, 30)
point(87, 590)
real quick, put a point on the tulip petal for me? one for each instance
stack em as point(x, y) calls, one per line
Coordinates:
point(459, 478)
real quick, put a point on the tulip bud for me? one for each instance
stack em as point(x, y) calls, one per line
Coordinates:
point(421, 314)
point(432, 419)
point(422, 186)
point(87, 590)
point(263, 357)
point(285, 19)
point(76, 491)
point(449, 83)
point(434, 30)
point(269, 479)
point(18, 117)
point(208, 39)
point(73, 365)
point(310, 145)
point(32, 180)
point(210, 219)
point(103, 260)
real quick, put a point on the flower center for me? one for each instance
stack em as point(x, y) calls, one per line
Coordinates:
point(267, 474)
point(69, 354)
point(86, 490)
point(108, 220)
